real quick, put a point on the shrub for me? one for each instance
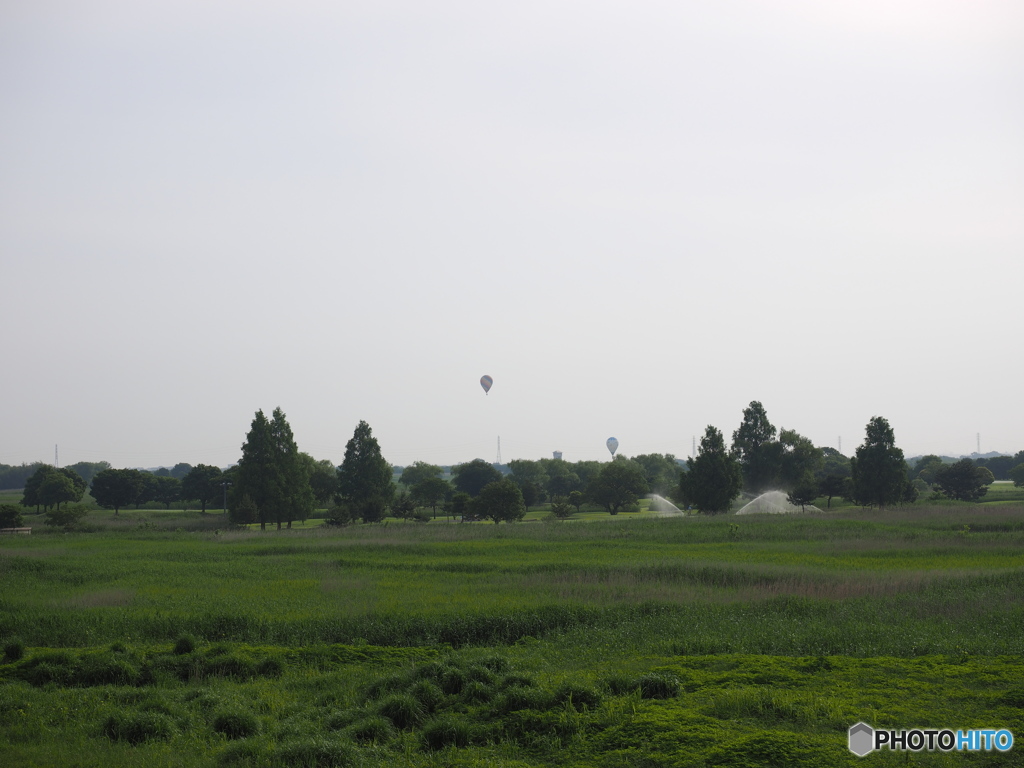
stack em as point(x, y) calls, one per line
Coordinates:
point(204, 699)
point(316, 752)
point(658, 686)
point(138, 727)
point(230, 665)
point(53, 667)
point(480, 673)
point(517, 681)
point(402, 709)
point(1013, 698)
point(236, 724)
point(10, 516)
point(433, 670)
point(106, 669)
point(385, 685)
point(522, 698)
point(339, 515)
point(184, 644)
point(446, 731)
point(67, 518)
point(453, 681)
point(577, 696)
point(375, 729)
point(495, 663)
point(14, 649)
point(477, 692)
point(243, 751)
point(271, 666)
point(618, 685)
point(427, 694)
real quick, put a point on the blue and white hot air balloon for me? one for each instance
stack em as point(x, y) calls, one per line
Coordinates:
point(613, 445)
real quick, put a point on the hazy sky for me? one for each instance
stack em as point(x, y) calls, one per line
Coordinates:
point(637, 217)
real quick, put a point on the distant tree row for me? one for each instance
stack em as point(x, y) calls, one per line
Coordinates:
point(13, 477)
point(758, 461)
point(49, 487)
point(276, 483)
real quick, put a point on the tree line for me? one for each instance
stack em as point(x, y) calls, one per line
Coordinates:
point(275, 483)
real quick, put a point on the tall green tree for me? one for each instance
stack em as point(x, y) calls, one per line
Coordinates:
point(660, 470)
point(714, 478)
point(202, 484)
point(419, 471)
point(1017, 475)
point(926, 468)
point(962, 481)
point(562, 480)
point(500, 501)
point(402, 505)
point(832, 463)
point(804, 492)
point(755, 447)
point(259, 478)
point(149, 488)
point(180, 470)
point(60, 486)
point(323, 478)
point(799, 458)
point(999, 466)
point(50, 486)
point(116, 488)
point(168, 490)
point(364, 477)
point(430, 492)
point(87, 470)
point(832, 485)
point(296, 493)
point(879, 471)
point(271, 475)
point(473, 476)
point(527, 473)
point(620, 483)
point(586, 471)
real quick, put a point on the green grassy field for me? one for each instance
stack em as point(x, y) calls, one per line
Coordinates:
point(635, 641)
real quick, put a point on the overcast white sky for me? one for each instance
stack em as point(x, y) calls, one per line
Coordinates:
point(636, 216)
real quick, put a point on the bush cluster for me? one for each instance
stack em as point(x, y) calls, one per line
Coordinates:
point(123, 667)
point(454, 703)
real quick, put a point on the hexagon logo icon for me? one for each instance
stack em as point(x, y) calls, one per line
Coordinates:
point(861, 739)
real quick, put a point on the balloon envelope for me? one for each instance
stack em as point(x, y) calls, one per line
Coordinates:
point(612, 444)
point(485, 382)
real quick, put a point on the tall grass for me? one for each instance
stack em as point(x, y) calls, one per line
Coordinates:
point(870, 581)
point(685, 642)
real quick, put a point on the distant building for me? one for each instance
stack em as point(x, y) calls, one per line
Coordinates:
point(557, 454)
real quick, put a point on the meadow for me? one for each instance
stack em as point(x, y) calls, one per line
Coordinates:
point(631, 641)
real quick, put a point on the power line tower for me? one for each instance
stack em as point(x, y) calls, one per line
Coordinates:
point(498, 460)
point(55, 462)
